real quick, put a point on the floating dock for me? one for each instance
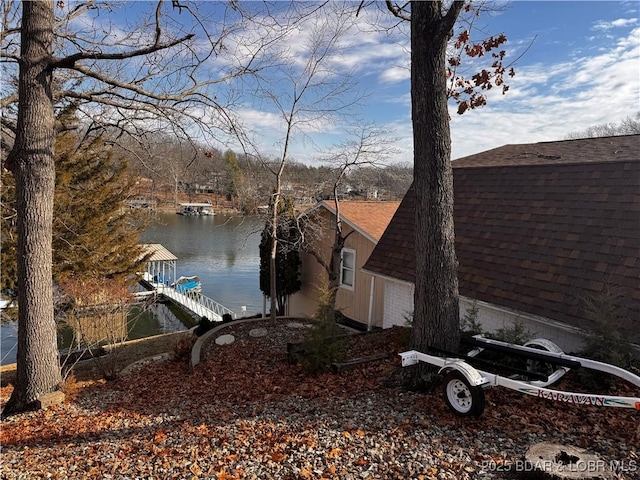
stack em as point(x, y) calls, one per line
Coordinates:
point(161, 264)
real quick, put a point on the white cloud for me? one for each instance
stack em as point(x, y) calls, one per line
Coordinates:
point(395, 74)
point(619, 23)
point(546, 102)
point(593, 83)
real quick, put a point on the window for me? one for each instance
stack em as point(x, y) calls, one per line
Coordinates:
point(348, 268)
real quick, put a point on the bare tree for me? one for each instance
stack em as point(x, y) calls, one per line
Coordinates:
point(367, 146)
point(164, 73)
point(628, 126)
point(307, 91)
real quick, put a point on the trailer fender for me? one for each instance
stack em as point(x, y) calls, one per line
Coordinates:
point(472, 375)
point(543, 344)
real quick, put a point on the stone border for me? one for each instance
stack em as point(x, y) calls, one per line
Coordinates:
point(132, 367)
point(197, 347)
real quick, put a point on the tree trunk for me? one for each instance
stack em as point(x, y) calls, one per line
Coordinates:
point(31, 160)
point(335, 265)
point(273, 288)
point(436, 315)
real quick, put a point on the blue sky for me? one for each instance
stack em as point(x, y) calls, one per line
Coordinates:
point(582, 69)
point(579, 66)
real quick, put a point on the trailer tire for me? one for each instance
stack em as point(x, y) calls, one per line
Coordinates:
point(461, 397)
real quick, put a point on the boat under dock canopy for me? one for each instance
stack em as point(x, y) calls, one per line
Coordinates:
point(160, 277)
point(161, 263)
point(195, 209)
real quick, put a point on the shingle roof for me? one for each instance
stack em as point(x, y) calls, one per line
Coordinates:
point(585, 150)
point(370, 217)
point(542, 234)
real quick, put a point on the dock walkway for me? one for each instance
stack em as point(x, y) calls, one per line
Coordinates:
point(198, 304)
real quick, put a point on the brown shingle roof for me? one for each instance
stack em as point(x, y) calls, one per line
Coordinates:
point(370, 217)
point(585, 150)
point(540, 235)
point(157, 252)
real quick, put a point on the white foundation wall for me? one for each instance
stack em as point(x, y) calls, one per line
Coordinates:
point(493, 318)
point(398, 303)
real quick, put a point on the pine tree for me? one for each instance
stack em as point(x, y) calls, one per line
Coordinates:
point(95, 235)
point(287, 258)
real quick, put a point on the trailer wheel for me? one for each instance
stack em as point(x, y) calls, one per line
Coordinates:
point(462, 398)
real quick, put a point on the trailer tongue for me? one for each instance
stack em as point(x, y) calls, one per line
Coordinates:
point(465, 378)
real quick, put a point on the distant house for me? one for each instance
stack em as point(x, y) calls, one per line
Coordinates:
point(363, 224)
point(540, 229)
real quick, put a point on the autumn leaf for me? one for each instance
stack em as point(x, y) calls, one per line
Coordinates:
point(277, 456)
point(203, 429)
point(335, 452)
point(195, 469)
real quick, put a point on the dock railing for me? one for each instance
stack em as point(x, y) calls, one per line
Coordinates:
point(209, 304)
point(199, 304)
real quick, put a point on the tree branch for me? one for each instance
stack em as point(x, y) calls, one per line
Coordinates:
point(71, 60)
point(397, 10)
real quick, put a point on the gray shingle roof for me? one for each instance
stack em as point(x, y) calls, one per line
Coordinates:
point(539, 227)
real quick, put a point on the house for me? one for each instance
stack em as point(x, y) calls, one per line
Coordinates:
point(540, 229)
point(363, 224)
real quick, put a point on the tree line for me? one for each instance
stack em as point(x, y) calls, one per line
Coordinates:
point(185, 169)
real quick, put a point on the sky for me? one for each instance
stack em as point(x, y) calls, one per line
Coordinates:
point(582, 69)
point(577, 65)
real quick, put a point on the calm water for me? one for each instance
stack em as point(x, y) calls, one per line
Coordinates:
point(221, 250)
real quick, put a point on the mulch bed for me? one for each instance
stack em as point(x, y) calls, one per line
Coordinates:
point(245, 413)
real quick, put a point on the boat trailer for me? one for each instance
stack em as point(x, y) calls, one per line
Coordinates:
point(464, 381)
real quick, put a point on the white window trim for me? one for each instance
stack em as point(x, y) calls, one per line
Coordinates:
point(342, 268)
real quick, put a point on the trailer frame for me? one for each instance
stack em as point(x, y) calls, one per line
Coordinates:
point(464, 384)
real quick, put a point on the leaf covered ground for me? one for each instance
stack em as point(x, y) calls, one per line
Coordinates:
point(245, 413)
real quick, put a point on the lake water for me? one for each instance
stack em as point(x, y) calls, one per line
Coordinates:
point(221, 250)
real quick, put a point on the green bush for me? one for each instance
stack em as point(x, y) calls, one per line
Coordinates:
point(469, 324)
point(517, 334)
point(606, 340)
point(326, 342)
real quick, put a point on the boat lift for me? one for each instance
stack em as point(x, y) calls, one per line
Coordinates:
point(464, 381)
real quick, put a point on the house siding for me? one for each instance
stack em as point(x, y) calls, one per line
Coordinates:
point(305, 302)
point(353, 303)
